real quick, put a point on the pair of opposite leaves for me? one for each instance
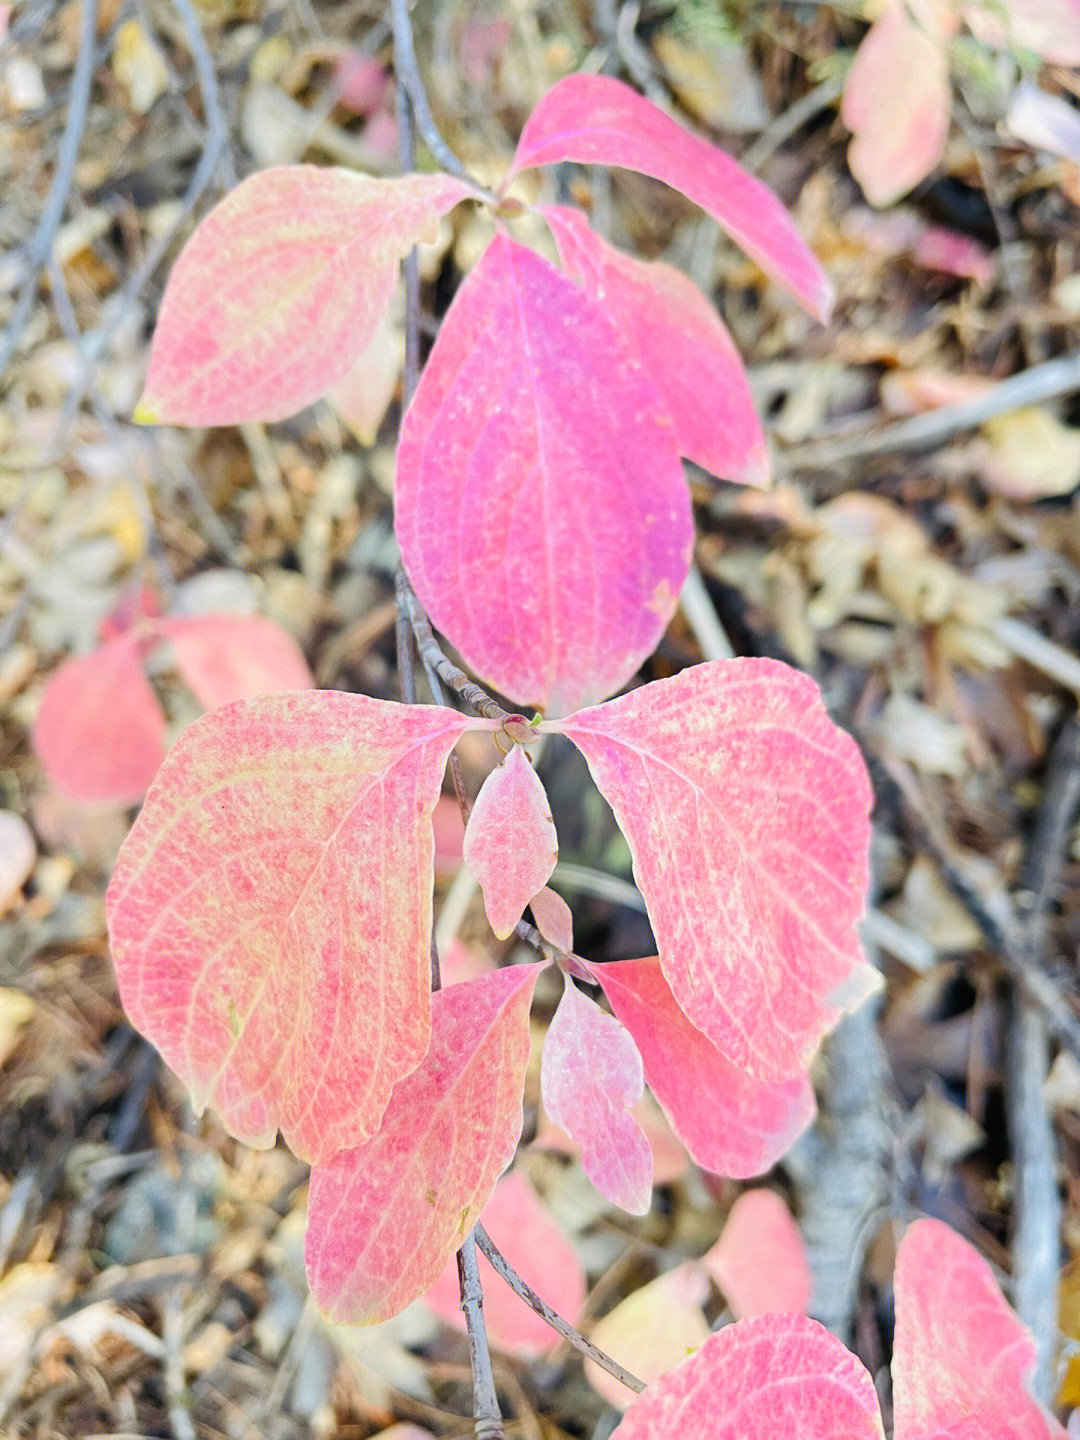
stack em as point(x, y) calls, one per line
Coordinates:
point(540, 502)
point(271, 911)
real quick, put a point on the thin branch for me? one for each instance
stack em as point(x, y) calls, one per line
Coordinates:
point(557, 1323)
point(432, 654)
point(486, 1413)
point(40, 247)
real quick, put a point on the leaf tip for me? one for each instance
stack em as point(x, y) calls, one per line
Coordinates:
point(146, 412)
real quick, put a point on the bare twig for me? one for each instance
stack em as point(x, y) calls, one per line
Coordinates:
point(544, 1310)
point(1043, 382)
point(1036, 1239)
point(489, 1425)
point(431, 653)
point(40, 247)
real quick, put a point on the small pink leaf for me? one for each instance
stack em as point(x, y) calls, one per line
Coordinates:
point(898, 143)
point(526, 1235)
point(654, 1328)
point(493, 499)
point(671, 326)
point(595, 120)
point(778, 1375)
point(960, 1355)
point(510, 846)
point(553, 919)
point(760, 1260)
point(100, 731)
point(731, 1123)
point(363, 396)
point(270, 912)
point(280, 288)
point(235, 657)
point(384, 1218)
point(746, 811)
point(590, 1081)
point(1050, 28)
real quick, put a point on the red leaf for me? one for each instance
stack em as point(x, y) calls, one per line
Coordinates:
point(280, 288)
point(552, 917)
point(960, 1355)
point(590, 1080)
point(671, 326)
point(898, 143)
point(595, 120)
point(384, 1218)
point(523, 1229)
point(270, 912)
point(510, 845)
point(100, 731)
point(746, 811)
point(778, 1375)
point(731, 1123)
point(235, 657)
point(494, 499)
point(760, 1260)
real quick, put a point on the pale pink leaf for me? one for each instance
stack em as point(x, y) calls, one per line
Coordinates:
point(280, 288)
point(897, 104)
point(960, 1355)
point(383, 1218)
point(760, 1262)
point(494, 498)
point(746, 811)
point(653, 1329)
point(100, 729)
point(731, 1122)
point(671, 326)
point(590, 1080)
point(553, 919)
point(1050, 28)
point(595, 120)
point(777, 1375)
point(363, 396)
point(525, 1233)
point(235, 657)
point(510, 846)
point(270, 912)
point(18, 854)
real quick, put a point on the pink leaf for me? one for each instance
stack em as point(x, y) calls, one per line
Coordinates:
point(897, 103)
point(760, 1260)
point(280, 288)
point(671, 326)
point(590, 1080)
point(100, 731)
point(523, 1229)
point(270, 912)
point(1050, 28)
point(778, 1375)
point(235, 657)
point(510, 846)
point(595, 120)
point(553, 919)
point(651, 1330)
point(362, 397)
point(960, 1355)
point(746, 811)
point(731, 1123)
point(384, 1218)
point(494, 499)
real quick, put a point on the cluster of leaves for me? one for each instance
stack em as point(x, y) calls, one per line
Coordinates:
point(905, 57)
point(100, 731)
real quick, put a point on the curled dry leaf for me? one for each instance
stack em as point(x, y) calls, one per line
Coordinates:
point(386, 1216)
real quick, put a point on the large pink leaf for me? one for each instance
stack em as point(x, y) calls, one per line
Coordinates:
point(590, 1080)
point(960, 1355)
point(731, 1122)
point(279, 290)
point(384, 1218)
point(595, 120)
point(235, 657)
point(746, 811)
point(510, 846)
point(546, 525)
point(99, 730)
point(693, 361)
point(270, 912)
point(526, 1234)
point(778, 1375)
point(897, 103)
point(760, 1261)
